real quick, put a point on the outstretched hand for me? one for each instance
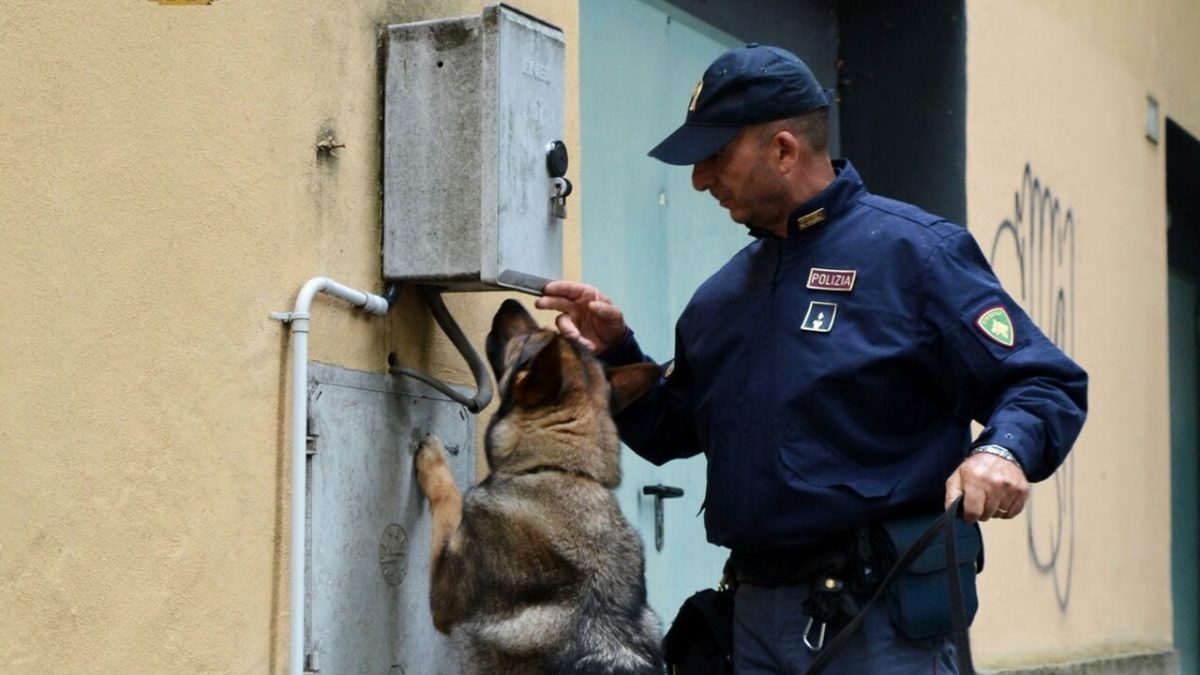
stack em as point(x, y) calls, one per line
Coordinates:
point(991, 487)
point(587, 315)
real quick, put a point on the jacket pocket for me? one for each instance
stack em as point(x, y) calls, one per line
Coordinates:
point(815, 463)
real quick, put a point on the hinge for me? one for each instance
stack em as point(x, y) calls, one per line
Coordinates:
point(310, 440)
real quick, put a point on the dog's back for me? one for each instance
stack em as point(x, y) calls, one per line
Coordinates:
point(539, 572)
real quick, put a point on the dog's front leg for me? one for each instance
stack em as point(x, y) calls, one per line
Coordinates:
point(445, 501)
point(446, 594)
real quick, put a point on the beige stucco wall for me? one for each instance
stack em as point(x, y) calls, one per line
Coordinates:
point(160, 195)
point(1060, 87)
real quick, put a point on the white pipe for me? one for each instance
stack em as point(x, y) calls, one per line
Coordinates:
point(299, 319)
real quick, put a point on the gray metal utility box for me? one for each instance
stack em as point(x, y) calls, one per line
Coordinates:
point(472, 106)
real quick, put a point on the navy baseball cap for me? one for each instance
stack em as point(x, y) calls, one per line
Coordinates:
point(744, 86)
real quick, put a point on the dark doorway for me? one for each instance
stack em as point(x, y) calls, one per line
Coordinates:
point(903, 90)
point(900, 72)
point(1183, 254)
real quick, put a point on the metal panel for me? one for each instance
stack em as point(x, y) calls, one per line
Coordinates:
point(470, 106)
point(432, 139)
point(368, 535)
point(529, 115)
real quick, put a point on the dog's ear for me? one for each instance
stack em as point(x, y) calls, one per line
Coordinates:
point(540, 381)
point(510, 321)
point(630, 382)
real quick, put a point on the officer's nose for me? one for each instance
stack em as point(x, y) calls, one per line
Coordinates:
point(702, 174)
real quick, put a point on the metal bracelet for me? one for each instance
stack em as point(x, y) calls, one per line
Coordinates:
point(999, 451)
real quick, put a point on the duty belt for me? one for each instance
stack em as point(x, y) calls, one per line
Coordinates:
point(832, 569)
point(852, 557)
point(828, 595)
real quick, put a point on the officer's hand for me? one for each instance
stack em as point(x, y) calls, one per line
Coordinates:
point(588, 316)
point(991, 486)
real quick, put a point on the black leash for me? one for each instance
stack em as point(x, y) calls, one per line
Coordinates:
point(945, 526)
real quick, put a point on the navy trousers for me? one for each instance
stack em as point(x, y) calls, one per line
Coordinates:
point(768, 638)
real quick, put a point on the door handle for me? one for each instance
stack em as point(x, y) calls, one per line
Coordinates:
point(660, 492)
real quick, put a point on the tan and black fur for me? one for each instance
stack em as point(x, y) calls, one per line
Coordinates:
point(535, 570)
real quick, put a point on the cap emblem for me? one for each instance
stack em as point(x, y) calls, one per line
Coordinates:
point(996, 325)
point(822, 279)
point(820, 316)
point(743, 86)
point(695, 95)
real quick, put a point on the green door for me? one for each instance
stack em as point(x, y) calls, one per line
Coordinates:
point(649, 239)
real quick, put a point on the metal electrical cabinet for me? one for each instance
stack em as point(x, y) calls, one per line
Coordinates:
point(473, 185)
point(368, 551)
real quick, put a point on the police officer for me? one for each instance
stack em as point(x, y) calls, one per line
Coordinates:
point(831, 369)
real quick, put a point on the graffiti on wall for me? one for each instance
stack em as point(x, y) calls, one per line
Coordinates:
point(1039, 243)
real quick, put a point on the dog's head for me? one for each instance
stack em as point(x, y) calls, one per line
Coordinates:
point(556, 400)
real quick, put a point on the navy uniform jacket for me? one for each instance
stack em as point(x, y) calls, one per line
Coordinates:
point(830, 378)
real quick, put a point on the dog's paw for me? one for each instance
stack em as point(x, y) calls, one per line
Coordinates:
point(430, 458)
point(431, 444)
point(433, 472)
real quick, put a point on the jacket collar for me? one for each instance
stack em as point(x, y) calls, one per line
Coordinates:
point(845, 189)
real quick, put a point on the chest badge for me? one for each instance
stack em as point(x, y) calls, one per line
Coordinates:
point(809, 219)
point(823, 279)
point(820, 316)
point(996, 325)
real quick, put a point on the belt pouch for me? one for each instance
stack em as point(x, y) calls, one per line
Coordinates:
point(919, 604)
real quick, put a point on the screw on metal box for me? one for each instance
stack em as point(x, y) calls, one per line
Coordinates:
point(660, 492)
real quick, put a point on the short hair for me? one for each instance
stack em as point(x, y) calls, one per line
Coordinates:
point(812, 126)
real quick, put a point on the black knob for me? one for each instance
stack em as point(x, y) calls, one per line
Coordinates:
point(556, 159)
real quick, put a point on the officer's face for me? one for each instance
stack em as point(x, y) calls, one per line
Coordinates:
point(742, 178)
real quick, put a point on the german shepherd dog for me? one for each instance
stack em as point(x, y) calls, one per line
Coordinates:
point(535, 570)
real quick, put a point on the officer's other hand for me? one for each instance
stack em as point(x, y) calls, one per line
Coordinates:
point(587, 315)
point(991, 487)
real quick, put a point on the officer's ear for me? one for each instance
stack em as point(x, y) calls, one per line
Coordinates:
point(786, 149)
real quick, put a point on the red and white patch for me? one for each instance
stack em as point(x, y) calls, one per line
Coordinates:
point(822, 279)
